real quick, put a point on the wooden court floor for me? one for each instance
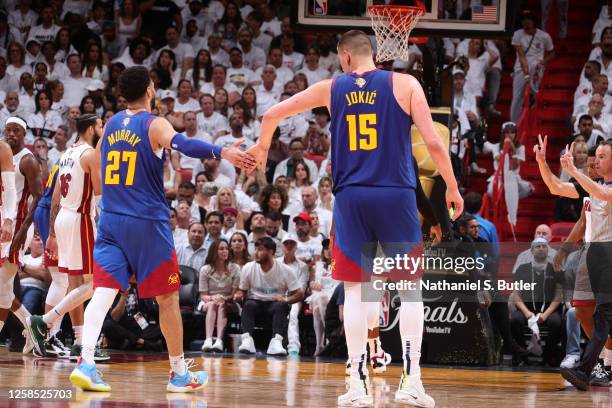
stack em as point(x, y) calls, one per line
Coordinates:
point(139, 380)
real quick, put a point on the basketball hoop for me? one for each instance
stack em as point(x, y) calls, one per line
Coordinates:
point(392, 26)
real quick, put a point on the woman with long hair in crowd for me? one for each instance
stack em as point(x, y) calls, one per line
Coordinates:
point(219, 279)
point(251, 184)
point(230, 16)
point(16, 60)
point(63, 46)
point(113, 76)
point(202, 69)
point(202, 198)
point(250, 125)
point(221, 101)
point(184, 102)
point(56, 89)
point(274, 199)
point(301, 80)
point(44, 122)
point(239, 249)
point(249, 96)
point(166, 61)
point(515, 188)
point(87, 105)
point(326, 198)
point(94, 66)
point(128, 21)
point(300, 178)
point(40, 76)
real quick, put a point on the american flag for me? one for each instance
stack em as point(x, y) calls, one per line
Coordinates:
point(484, 13)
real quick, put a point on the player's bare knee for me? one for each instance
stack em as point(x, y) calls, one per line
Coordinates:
point(167, 299)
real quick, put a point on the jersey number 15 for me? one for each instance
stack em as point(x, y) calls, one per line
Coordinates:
point(114, 159)
point(368, 139)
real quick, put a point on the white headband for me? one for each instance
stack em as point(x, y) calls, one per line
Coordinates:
point(17, 121)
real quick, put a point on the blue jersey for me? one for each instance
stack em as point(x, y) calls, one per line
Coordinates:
point(132, 173)
point(47, 195)
point(371, 143)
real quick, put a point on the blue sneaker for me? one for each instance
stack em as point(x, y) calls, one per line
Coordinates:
point(191, 381)
point(86, 377)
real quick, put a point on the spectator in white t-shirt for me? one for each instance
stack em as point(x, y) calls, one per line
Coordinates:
point(267, 288)
point(308, 249)
point(291, 58)
point(218, 54)
point(253, 56)
point(301, 271)
point(47, 30)
point(599, 86)
point(182, 161)
point(61, 144)
point(238, 74)
point(184, 102)
point(308, 205)
point(267, 92)
point(210, 122)
point(75, 84)
point(22, 19)
point(283, 74)
point(296, 152)
point(183, 52)
point(534, 49)
point(220, 81)
point(260, 39)
point(8, 82)
point(327, 58)
point(312, 69)
point(236, 124)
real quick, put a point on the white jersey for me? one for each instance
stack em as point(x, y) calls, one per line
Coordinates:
point(21, 185)
point(76, 190)
point(598, 216)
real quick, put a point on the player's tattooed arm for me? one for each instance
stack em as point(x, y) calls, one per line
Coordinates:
point(30, 168)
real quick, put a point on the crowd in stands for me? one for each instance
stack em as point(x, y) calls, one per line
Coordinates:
point(259, 243)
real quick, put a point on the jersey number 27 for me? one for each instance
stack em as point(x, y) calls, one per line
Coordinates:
point(368, 138)
point(114, 160)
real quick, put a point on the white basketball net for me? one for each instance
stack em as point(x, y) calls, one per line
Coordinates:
point(392, 26)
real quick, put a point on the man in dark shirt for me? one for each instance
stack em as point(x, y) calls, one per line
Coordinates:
point(157, 16)
point(539, 303)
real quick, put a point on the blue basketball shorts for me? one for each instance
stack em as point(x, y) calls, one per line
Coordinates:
point(129, 247)
point(366, 217)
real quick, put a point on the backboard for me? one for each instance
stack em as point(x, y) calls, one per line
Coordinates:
point(444, 18)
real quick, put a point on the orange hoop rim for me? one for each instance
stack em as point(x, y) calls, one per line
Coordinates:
point(377, 9)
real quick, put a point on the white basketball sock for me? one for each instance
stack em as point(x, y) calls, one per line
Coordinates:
point(22, 314)
point(355, 325)
point(411, 331)
point(95, 313)
point(74, 298)
point(177, 364)
point(78, 334)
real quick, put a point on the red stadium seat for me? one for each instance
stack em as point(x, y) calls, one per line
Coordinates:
point(560, 230)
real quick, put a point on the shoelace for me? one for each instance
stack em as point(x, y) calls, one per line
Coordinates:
point(598, 371)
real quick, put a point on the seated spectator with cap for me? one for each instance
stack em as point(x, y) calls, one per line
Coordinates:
point(542, 231)
point(302, 273)
point(167, 98)
point(308, 248)
point(263, 285)
point(230, 215)
point(193, 253)
point(538, 304)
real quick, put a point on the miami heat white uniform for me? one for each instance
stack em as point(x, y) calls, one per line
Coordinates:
point(74, 225)
point(23, 201)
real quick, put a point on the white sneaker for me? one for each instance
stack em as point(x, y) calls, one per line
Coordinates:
point(276, 346)
point(358, 394)
point(570, 361)
point(247, 345)
point(218, 346)
point(29, 345)
point(379, 363)
point(411, 392)
point(208, 345)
